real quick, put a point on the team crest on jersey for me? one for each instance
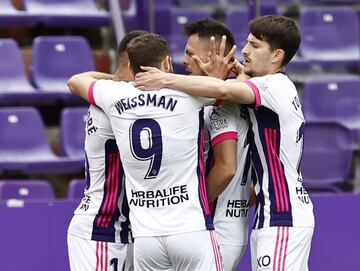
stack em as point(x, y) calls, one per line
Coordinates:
point(261, 85)
point(213, 114)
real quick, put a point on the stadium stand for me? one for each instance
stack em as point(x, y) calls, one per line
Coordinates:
point(9, 15)
point(76, 189)
point(26, 190)
point(24, 145)
point(73, 13)
point(327, 158)
point(53, 63)
point(237, 20)
point(333, 98)
point(11, 55)
point(35, 31)
point(326, 35)
point(72, 132)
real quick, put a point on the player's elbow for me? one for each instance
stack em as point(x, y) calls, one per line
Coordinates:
point(72, 84)
point(229, 171)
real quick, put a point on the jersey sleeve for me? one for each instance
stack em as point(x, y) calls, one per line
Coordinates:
point(222, 122)
point(99, 95)
point(265, 94)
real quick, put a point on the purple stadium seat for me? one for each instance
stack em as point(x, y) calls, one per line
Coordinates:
point(327, 158)
point(333, 98)
point(330, 34)
point(72, 132)
point(15, 88)
point(73, 13)
point(237, 20)
point(12, 69)
point(76, 189)
point(24, 145)
point(27, 189)
point(198, 3)
point(9, 15)
point(55, 59)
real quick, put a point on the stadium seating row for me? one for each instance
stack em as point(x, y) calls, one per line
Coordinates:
point(327, 39)
point(51, 66)
point(24, 145)
point(53, 13)
point(30, 152)
point(37, 189)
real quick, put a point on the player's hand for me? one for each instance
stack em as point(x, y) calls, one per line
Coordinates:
point(219, 65)
point(152, 78)
point(239, 72)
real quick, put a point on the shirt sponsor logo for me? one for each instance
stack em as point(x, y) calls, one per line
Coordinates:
point(219, 124)
point(237, 208)
point(85, 203)
point(159, 198)
point(303, 196)
point(263, 263)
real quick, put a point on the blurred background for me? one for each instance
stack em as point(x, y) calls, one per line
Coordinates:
point(44, 42)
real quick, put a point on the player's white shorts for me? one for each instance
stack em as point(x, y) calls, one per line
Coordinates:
point(281, 248)
point(88, 255)
point(231, 255)
point(186, 252)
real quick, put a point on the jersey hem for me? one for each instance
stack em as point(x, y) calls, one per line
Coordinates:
point(169, 233)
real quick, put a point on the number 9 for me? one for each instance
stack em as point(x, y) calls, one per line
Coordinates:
point(147, 132)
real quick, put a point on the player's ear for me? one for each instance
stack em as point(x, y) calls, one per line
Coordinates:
point(167, 64)
point(278, 56)
point(131, 70)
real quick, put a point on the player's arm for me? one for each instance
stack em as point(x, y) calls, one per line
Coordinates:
point(224, 168)
point(80, 83)
point(252, 197)
point(234, 91)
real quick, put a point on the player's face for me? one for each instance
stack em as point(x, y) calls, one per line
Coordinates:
point(258, 57)
point(195, 46)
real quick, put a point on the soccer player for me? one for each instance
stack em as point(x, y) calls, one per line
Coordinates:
point(99, 235)
point(227, 126)
point(284, 221)
point(160, 138)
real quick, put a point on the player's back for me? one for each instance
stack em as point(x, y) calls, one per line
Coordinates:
point(160, 138)
point(103, 212)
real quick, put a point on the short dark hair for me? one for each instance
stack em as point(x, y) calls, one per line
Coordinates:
point(279, 31)
point(147, 50)
point(127, 38)
point(209, 27)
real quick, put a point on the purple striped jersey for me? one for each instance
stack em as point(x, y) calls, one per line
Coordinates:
point(231, 209)
point(276, 146)
point(161, 141)
point(103, 214)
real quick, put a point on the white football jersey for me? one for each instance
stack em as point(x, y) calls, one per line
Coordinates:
point(160, 138)
point(276, 147)
point(231, 208)
point(103, 214)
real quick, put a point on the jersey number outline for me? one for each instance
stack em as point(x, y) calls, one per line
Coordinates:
point(114, 261)
point(147, 131)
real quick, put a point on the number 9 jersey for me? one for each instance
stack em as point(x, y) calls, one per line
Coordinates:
point(161, 142)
